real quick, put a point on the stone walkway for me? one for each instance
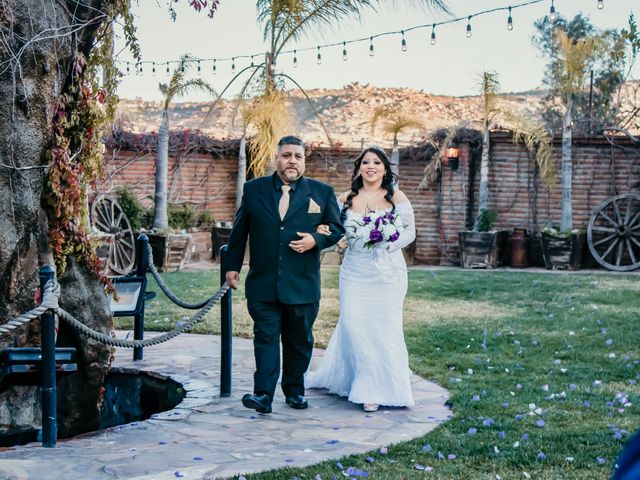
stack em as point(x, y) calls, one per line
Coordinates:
point(208, 437)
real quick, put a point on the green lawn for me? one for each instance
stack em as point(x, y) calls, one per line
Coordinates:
point(541, 368)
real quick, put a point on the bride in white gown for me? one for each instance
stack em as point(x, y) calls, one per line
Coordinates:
point(366, 359)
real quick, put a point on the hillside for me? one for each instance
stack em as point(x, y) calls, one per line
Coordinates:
point(346, 113)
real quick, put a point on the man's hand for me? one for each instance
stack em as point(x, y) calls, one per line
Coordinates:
point(307, 242)
point(233, 278)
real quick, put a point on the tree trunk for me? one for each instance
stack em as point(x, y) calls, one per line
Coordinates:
point(242, 170)
point(483, 200)
point(395, 163)
point(566, 220)
point(160, 212)
point(37, 63)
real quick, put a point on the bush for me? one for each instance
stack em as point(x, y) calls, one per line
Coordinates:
point(131, 206)
point(182, 217)
point(205, 219)
point(486, 219)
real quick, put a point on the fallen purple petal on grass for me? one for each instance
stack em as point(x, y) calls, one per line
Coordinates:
point(541, 456)
point(370, 459)
point(488, 422)
point(475, 398)
point(427, 448)
point(339, 465)
point(332, 442)
point(586, 403)
point(384, 450)
point(452, 456)
point(419, 466)
point(540, 423)
point(472, 431)
point(356, 472)
point(178, 474)
point(601, 461)
point(524, 436)
point(609, 341)
point(197, 459)
point(573, 386)
point(288, 460)
point(519, 417)
point(617, 435)
point(162, 442)
point(505, 405)
point(502, 434)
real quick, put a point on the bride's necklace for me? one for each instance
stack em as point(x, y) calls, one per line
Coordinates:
point(368, 197)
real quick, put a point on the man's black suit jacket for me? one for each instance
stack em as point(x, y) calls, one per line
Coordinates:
point(276, 272)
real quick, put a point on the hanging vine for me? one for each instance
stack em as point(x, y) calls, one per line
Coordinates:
point(81, 115)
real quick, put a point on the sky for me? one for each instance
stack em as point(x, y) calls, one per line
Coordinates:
point(451, 67)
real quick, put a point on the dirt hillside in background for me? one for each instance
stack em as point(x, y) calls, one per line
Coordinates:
point(346, 113)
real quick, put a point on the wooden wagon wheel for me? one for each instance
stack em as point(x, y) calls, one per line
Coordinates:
point(613, 234)
point(110, 220)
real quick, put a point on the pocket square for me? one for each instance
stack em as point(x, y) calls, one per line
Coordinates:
point(313, 207)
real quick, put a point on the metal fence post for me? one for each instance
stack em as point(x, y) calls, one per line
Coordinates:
point(225, 330)
point(48, 367)
point(142, 263)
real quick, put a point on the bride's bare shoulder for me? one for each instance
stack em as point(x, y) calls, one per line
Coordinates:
point(343, 196)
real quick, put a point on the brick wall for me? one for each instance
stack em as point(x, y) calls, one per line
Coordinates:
point(442, 209)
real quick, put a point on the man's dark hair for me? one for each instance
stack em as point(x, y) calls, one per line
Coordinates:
point(290, 140)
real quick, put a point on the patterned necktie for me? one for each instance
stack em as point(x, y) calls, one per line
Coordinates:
point(283, 206)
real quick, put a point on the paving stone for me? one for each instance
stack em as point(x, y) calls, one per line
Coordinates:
point(208, 437)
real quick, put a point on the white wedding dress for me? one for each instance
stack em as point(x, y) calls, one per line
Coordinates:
point(366, 359)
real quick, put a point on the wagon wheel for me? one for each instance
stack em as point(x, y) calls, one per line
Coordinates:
point(108, 218)
point(613, 233)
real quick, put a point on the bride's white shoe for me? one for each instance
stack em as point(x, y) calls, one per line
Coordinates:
point(370, 407)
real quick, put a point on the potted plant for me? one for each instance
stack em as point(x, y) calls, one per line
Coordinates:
point(483, 247)
point(562, 249)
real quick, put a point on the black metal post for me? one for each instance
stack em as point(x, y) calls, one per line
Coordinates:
point(142, 263)
point(48, 349)
point(225, 330)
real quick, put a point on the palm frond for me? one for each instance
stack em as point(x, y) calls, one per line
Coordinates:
point(401, 123)
point(383, 112)
point(537, 140)
point(489, 85)
point(575, 58)
point(272, 120)
point(394, 121)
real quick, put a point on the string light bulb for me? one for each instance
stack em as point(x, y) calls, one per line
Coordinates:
point(404, 42)
point(600, 4)
point(433, 34)
point(510, 21)
point(552, 12)
point(252, 64)
point(199, 67)
point(153, 69)
point(167, 68)
point(344, 52)
point(139, 68)
point(371, 47)
point(469, 27)
point(295, 59)
point(319, 57)
point(128, 69)
point(233, 65)
point(214, 68)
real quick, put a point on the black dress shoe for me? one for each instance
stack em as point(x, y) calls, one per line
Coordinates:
point(260, 402)
point(297, 402)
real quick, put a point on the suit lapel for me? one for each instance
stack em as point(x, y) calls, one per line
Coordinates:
point(268, 199)
point(300, 199)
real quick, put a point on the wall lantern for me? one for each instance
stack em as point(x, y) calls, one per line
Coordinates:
point(452, 154)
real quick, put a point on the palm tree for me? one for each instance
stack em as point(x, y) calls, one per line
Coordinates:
point(489, 86)
point(576, 56)
point(394, 123)
point(283, 22)
point(178, 86)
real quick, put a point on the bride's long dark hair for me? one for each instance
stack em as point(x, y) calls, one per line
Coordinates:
point(388, 180)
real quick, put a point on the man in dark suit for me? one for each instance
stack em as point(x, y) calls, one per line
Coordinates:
point(285, 216)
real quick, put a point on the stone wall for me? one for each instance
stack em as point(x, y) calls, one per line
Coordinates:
point(442, 208)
